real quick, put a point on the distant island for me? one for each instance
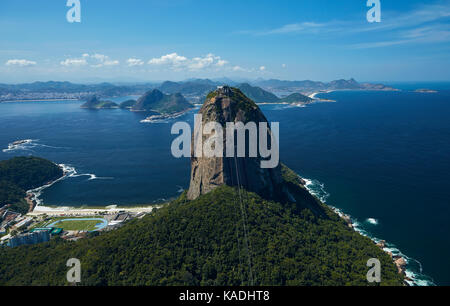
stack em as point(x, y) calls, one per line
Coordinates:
point(296, 98)
point(94, 103)
point(424, 90)
point(310, 87)
point(160, 105)
point(128, 104)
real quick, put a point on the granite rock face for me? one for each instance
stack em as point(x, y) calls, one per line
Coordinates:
point(224, 105)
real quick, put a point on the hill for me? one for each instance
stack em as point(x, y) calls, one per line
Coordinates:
point(307, 86)
point(20, 174)
point(127, 104)
point(191, 87)
point(195, 243)
point(94, 103)
point(296, 98)
point(257, 94)
point(156, 101)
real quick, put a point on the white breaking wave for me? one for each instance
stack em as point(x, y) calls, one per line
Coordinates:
point(372, 221)
point(37, 192)
point(413, 266)
point(92, 176)
point(24, 144)
point(27, 145)
point(317, 188)
point(69, 172)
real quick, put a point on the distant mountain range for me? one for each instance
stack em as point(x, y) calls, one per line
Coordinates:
point(194, 90)
point(308, 87)
point(259, 95)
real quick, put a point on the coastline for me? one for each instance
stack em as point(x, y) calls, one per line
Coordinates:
point(32, 195)
point(36, 207)
point(314, 94)
point(158, 118)
point(72, 211)
point(401, 261)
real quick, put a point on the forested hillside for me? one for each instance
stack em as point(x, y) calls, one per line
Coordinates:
point(202, 242)
point(23, 173)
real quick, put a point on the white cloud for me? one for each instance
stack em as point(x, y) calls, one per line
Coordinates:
point(99, 57)
point(419, 35)
point(221, 63)
point(96, 60)
point(238, 68)
point(20, 62)
point(178, 62)
point(425, 23)
point(74, 62)
point(201, 62)
point(302, 27)
point(135, 62)
point(110, 63)
point(296, 27)
point(262, 68)
point(170, 59)
point(103, 60)
point(425, 13)
point(283, 66)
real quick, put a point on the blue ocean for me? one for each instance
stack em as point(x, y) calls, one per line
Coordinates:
point(381, 157)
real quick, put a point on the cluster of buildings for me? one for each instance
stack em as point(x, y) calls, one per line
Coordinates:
point(17, 229)
point(29, 238)
point(12, 220)
point(20, 96)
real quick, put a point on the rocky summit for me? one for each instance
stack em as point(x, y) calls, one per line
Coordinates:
point(227, 104)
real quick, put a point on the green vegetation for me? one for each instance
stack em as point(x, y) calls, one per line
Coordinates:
point(211, 95)
point(196, 243)
point(296, 98)
point(258, 94)
point(127, 104)
point(77, 225)
point(290, 176)
point(72, 225)
point(14, 195)
point(156, 101)
point(24, 173)
point(94, 103)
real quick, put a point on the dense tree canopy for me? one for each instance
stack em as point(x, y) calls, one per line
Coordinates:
point(23, 173)
point(202, 242)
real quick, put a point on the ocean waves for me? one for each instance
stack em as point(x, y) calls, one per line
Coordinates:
point(27, 145)
point(414, 269)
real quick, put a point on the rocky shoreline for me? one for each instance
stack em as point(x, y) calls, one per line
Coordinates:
point(399, 261)
point(32, 195)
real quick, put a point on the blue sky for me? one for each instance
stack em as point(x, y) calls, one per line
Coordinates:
point(149, 40)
